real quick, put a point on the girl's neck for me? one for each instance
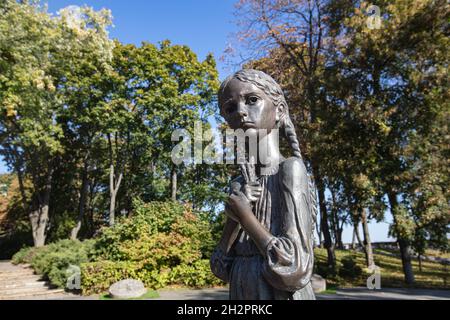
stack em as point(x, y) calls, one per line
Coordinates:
point(269, 155)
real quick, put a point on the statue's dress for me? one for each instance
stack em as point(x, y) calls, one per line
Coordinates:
point(284, 271)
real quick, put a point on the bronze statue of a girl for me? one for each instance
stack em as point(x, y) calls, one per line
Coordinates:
point(266, 249)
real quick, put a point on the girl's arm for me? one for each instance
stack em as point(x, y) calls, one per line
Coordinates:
point(259, 234)
point(289, 255)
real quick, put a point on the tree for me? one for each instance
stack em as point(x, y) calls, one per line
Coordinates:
point(369, 102)
point(391, 72)
point(33, 75)
point(292, 32)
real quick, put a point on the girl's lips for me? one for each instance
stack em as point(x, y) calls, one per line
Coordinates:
point(248, 124)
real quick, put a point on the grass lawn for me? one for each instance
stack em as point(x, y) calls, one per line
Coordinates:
point(151, 294)
point(433, 275)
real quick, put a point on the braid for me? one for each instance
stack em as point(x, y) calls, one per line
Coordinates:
point(289, 131)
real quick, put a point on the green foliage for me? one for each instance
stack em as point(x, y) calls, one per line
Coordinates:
point(24, 255)
point(150, 294)
point(349, 268)
point(53, 260)
point(158, 233)
point(197, 274)
point(371, 105)
point(76, 106)
point(62, 225)
point(432, 275)
point(97, 277)
point(160, 244)
point(325, 270)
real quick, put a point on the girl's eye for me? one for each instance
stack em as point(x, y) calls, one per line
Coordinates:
point(252, 100)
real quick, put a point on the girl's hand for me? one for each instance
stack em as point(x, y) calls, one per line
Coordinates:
point(252, 191)
point(240, 206)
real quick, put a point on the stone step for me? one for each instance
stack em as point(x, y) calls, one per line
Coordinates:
point(27, 278)
point(23, 284)
point(20, 282)
point(18, 272)
point(24, 290)
point(9, 263)
point(44, 294)
point(16, 277)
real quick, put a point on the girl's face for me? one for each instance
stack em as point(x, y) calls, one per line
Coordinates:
point(245, 106)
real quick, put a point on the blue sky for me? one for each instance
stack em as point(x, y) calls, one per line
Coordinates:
point(204, 25)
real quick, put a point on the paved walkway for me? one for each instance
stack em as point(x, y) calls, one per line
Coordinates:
point(20, 282)
point(386, 294)
point(341, 294)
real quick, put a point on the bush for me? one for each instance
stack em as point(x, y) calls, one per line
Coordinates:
point(161, 243)
point(53, 260)
point(158, 234)
point(97, 277)
point(197, 274)
point(349, 268)
point(324, 270)
point(24, 255)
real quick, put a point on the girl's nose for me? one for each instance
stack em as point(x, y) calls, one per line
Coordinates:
point(242, 110)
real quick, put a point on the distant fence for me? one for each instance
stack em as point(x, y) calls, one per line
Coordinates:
point(376, 245)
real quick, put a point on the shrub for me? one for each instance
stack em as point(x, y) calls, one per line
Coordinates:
point(160, 244)
point(24, 255)
point(158, 233)
point(324, 270)
point(53, 260)
point(97, 277)
point(197, 274)
point(349, 268)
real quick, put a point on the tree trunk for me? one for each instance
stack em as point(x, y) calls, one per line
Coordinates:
point(39, 222)
point(419, 257)
point(113, 189)
point(339, 242)
point(358, 237)
point(337, 230)
point(112, 207)
point(354, 239)
point(334, 225)
point(328, 243)
point(405, 252)
point(113, 183)
point(173, 184)
point(82, 202)
point(39, 217)
point(367, 243)
point(405, 247)
point(319, 234)
point(90, 209)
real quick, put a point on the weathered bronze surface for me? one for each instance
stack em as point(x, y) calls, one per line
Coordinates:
point(266, 249)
